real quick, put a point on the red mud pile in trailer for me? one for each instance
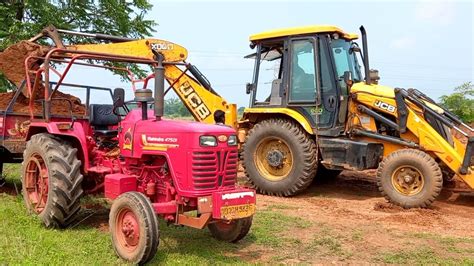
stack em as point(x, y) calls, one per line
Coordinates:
point(12, 65)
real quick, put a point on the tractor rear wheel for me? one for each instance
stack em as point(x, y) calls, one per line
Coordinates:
point(230, 231)
point(51, 180)
point(410, 178)
point(279, 157)
point(134, 228)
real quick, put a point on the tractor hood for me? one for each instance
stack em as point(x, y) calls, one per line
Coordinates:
point(173, 126)
point(150, 136)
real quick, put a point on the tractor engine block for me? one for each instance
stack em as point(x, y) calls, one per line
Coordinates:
point(154, 179)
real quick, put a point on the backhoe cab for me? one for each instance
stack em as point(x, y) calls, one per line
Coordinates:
point(312, 113)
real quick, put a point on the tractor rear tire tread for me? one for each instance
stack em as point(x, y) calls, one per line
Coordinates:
point(432, 173)
point(65, 179)
point(308, 149)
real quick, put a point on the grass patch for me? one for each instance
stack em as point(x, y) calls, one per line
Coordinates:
point(457, 245)
point(12, 171)
point(24, 239)
point(420, 256)
point(357, 235)
point(281, 207)
point(269, 228)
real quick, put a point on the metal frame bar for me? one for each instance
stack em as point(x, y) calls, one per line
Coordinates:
point(79, 55)
point(384, 138)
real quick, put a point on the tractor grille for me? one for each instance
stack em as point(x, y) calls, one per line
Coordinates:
point(214, 169)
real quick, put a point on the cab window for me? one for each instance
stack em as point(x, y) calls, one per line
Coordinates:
point(303, 85)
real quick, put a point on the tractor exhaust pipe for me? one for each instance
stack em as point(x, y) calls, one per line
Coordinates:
point(159, 86)
point(366, 55)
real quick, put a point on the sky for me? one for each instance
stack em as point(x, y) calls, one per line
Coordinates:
point(426, 45)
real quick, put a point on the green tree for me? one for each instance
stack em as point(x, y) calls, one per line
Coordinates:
point(175, 108)
point(461, 102)
point(240, 111)
point(23, 19)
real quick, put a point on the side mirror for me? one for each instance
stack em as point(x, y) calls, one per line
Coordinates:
point(249, 88)
point(119, 97)
point(348, 78)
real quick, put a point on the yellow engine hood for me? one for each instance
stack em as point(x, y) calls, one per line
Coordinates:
point(379, 90)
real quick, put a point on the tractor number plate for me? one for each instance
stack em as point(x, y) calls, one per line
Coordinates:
point(237, 211)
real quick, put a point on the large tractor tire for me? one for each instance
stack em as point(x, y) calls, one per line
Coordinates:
point(279, 157)
point(410, 178)
point(232, 231)
point(51, 178)
point(134, 228)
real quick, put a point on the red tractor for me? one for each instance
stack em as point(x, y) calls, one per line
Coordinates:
point(184, 172)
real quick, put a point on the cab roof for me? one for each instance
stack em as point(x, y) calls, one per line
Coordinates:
point(301, 30)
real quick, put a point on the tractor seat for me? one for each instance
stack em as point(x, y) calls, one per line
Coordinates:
point(101, 116)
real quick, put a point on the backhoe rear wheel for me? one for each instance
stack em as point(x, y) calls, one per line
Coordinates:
point(410, 178)
point(279, 157)
point(51, 180)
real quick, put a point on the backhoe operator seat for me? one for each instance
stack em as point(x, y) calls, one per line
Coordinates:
point(101, 116)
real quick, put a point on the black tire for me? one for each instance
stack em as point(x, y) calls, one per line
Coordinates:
point(420, 187)
point(64, 179)
point(148, 231)
point(304, 155)
point(230, 232)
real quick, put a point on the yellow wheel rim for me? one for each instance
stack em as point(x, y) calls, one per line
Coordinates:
point(408, 180)
point(273, 158)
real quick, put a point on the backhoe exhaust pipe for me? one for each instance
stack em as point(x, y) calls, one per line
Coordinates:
point(366, 55)
point(159, 86)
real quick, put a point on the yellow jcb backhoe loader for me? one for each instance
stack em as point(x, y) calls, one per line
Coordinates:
point(320, 116)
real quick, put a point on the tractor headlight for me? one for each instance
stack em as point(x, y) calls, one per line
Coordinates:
point(207, 141)
point(232, 141)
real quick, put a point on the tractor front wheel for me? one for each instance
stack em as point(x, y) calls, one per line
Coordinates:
point(51, 180)
point(410, 178)
point(230, 231)
point(134, 228)
point(279, 157)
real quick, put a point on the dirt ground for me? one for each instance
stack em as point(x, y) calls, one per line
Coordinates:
point(351, 209)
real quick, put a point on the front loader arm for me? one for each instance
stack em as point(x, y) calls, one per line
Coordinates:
point(201, 102)
point(419, 131)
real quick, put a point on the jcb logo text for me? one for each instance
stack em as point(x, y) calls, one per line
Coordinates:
point(385, 106)
point(199, 108)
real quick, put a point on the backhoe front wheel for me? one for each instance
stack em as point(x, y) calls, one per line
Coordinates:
point(51, 180)
point(279, 157)
point(410, 178)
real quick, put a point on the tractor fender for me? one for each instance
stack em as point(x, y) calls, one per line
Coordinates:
point(76, 136)
point(257, 114)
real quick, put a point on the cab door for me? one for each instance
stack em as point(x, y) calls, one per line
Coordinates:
point(312, 89)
